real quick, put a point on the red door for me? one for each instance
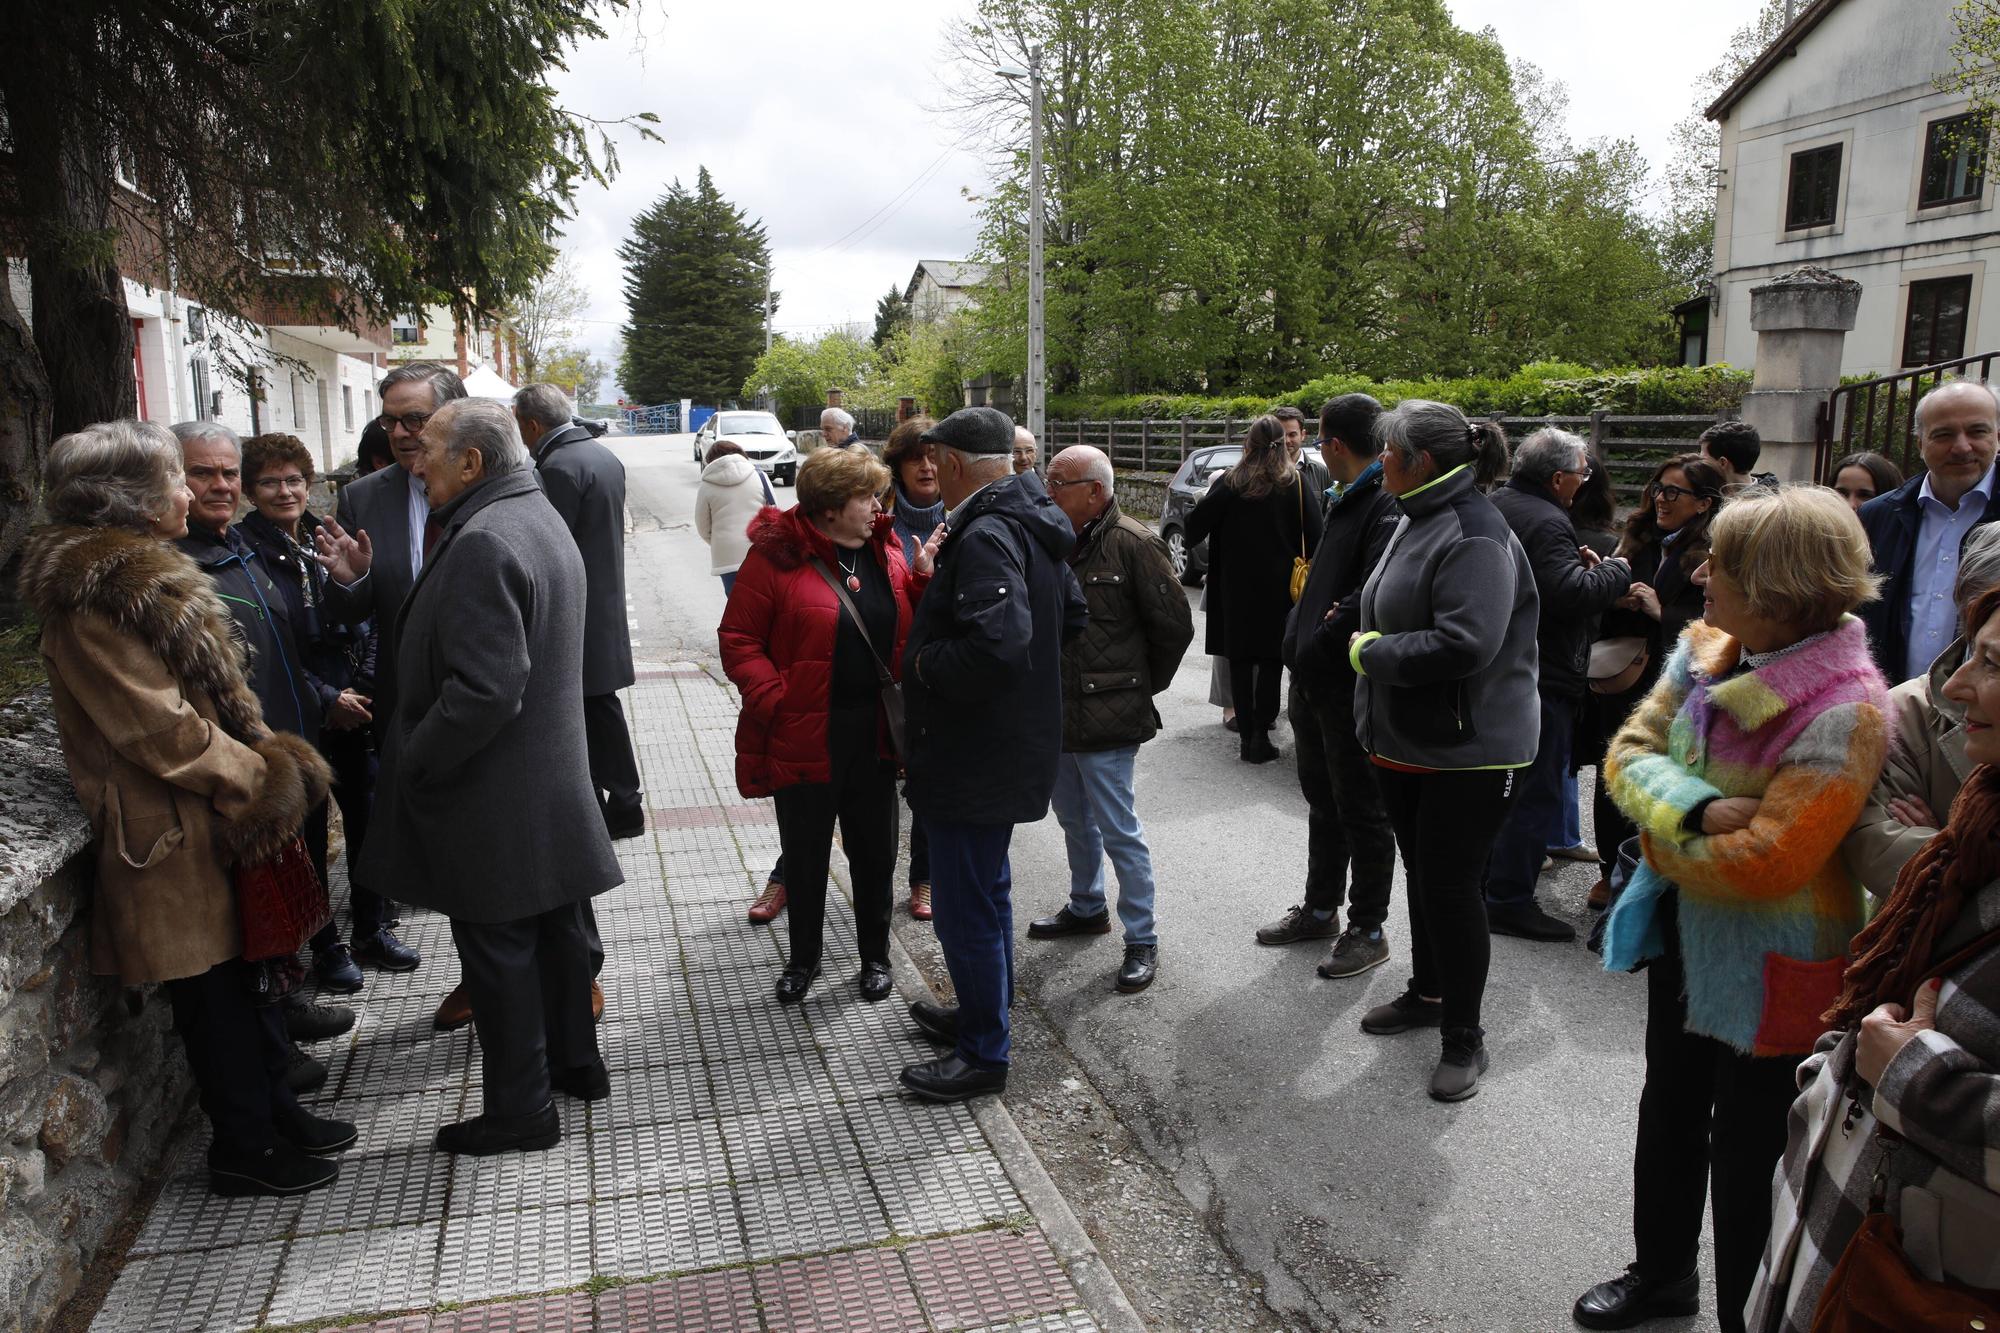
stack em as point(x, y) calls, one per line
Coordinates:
point(139, 365)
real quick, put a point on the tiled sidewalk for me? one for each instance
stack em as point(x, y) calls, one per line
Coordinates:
point(754, 1168)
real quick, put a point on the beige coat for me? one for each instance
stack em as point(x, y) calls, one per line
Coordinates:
point(1926, 761)
point(165, 744)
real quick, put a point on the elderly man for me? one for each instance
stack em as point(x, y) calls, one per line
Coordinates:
point(1574, 587)
point(487, 811)
point(1026, 452)
point(983, 690)
point(1140, 627)
point(1917, 530)
point(836, 428)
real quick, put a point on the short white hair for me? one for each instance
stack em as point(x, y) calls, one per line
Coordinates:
point(1022, 435)
point(545, 405)
point(187, 432)
point(1092, 463)
point(485, 425)
point(114, 474)
point(837, 417)
point(977, 463)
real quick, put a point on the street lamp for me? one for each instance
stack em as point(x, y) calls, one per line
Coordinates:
point(1037, 364)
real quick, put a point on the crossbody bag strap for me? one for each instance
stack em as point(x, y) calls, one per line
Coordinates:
point(1302, 515)
point(854, 613)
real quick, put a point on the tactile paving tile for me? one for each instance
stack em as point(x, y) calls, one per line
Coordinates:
point(510, 1254)
point(646, 1235)
point(988, 1277)
point(402, 1122)
point(654, 1093)
point(633, 998)
point(669, 1036)
point(785, 1080)
point(737, 886)
point(873, 1069)
point(203, 1292)
point(188, 1216)
point(863, 1292)
point(400, 1016)
point(1074, 1321)
point(753, 1027)
point(646, 1159)
point(800, 1141)
point(357, 1272)
point(512, 1181)
point(401, 1323)
point(855, 1022)
point(569, 1313)
point(385, 1068)
point(720, 1302)
point(806, 1214)
point(950, 1192)
point(627, 954)
point(390, 1189)
point(904, 1127)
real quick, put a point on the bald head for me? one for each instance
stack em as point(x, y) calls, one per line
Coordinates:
point(1026, 452)
point(1081, 480)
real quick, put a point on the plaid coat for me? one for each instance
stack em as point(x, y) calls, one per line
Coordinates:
point(1942, 1095)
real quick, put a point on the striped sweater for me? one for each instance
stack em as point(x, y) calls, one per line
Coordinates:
point(1766, 913)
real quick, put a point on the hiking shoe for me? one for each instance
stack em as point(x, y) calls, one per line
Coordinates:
point(306, 1021)
point(1354, 953)
point(1458, 1069)
point(1299, 923)
point(1401, 1014)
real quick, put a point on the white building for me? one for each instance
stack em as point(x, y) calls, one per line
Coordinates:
point(1838, 150)
point(942, 287)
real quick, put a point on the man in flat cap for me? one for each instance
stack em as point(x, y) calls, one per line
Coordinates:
point(982, 684)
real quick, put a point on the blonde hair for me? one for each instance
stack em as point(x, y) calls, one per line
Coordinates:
point(1797, 551)
point(829, 478)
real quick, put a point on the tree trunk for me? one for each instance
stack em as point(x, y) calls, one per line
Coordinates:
point(26, 404)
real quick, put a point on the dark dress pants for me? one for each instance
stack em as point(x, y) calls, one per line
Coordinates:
point(1607, 713)
point(614, 768)
point(1253, 690)
point(1711, 1121)
point(1516, 862)
point(529, 983)
point(972, 902)
point(1347, 830)
point(238, 1051)
point(352, 758)
point(920, 848)
point(860, 796)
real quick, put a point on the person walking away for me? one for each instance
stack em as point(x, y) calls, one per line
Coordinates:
point(731, 492)
point(1347, 830)
point(917, 506)
point(1140, 628)
point(1744, 769)
point(1445, 706)
point(983, 688)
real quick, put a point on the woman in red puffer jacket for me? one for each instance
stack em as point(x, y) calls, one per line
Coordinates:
point(812, 732)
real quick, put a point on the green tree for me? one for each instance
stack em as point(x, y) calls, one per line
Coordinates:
point(579, 373)
point(695, 273)
point(798, 374)
point(543, 321)
point(892, 312)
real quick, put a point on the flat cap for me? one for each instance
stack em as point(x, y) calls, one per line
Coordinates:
point(974, 430)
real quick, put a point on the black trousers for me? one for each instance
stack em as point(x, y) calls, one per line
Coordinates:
point(1711, 1121)
point(353, 761)
point(861, 797)
point(920, 846)
point(238, 1050)
point(529, 983)
point(1445, 824)
point(614, 768)
point(1605, 713)
point(1253, 690)
point(1348, 831)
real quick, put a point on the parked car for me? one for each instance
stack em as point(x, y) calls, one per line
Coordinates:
point(764, 442)
point(1189, 484)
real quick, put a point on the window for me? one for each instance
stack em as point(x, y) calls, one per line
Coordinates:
point(1954, 161)
point(204, 404)
point(347, 406)
point(1814, 200)
point(1934, 328)
point(405, 328)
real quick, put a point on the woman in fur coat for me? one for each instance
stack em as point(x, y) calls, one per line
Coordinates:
point(180, 779)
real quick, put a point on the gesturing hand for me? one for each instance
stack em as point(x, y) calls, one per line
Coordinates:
point(349, 711)
point(1641, 597)
point(344, 558)
point(926, 560)
point(1729, 814)
point(1885, 1032)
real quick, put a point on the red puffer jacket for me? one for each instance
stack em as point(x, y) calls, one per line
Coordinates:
point(777, 639)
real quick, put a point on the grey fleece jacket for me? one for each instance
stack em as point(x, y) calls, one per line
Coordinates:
point(1446, 659)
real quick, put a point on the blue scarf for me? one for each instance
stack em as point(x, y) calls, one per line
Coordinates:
point(915, 524)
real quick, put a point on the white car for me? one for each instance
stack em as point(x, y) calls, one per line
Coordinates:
point(763, 441)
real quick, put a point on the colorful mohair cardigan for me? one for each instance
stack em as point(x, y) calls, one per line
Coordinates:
point(1766, 913)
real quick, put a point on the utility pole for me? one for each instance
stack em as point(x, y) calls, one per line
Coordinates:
point(767, 307)
point(1037, 367)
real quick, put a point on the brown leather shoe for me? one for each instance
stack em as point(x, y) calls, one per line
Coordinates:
point(1600, 896)
point(920, 902)
point(596, 1001)
point(769, 903)
point(454, 1011)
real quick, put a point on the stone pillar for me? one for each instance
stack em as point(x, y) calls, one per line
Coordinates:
point(1801, 320)
point(833, 397)
point(905, 409)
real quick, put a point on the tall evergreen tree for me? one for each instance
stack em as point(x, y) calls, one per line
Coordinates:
point(892, 312)
point(695, 269)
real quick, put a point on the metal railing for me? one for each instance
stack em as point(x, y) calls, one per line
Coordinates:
point(1880, 415)
point(870, 423)
point(659, 419)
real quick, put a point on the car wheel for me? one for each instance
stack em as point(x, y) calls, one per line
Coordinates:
point(1177, 552)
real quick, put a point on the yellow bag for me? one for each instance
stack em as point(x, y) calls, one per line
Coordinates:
point(1301, 566)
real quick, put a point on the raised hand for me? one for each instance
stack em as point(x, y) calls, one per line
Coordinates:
point(345, 558)
point(926, 560)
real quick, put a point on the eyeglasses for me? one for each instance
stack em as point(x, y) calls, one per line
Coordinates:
point(1580, 473)
point(1671, 493)
point(1055, 483)
point(291, 482)
point(413, 422)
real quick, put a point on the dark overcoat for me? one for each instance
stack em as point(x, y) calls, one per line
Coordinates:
point(1251, 546)
point(378, 504)
point(485, 809)
point(586, 483)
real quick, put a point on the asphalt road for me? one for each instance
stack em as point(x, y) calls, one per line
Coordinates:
point(1308, 1149)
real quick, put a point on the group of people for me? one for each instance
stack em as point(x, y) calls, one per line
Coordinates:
point(217, 672)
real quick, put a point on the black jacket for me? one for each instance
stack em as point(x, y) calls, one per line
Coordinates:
point(291, 698)
point(1891, 522)
point(586, 483)
point(982, 669)
point(1358, 528)
point(337, 656)
point(1140, 629)
point(1251, 547)
point(1572, 597)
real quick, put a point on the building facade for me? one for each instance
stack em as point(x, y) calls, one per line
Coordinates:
point(942, 287)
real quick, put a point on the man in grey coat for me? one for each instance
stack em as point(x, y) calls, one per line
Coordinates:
point(486, 810)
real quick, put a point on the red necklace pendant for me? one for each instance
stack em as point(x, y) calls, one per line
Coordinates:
point(854, 583)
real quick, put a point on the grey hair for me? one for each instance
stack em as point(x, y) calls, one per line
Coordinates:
point(1978, 567)
point(1547, 452)
point(838, 416)
point(545, 405)
point(187, 432)
point(1022, 435)
point(1947, 386)
point(977, 463)
point(1093, 464)
point(114, 474)
point(489, 427)
point(1418, 426)
point(445, 383)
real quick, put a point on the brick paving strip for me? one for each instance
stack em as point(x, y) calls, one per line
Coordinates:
point(755, 1167)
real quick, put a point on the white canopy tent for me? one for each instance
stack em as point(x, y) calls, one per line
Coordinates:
point(483, 382)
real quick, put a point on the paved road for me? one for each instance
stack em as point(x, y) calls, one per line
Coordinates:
point(1310, 1150)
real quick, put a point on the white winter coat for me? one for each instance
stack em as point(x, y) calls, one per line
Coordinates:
point(732, 491)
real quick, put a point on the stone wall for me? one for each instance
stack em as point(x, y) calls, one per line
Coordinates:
point(91, 1076)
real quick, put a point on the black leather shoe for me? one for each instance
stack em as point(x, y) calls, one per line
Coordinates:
point(951, 1079)
point(303, 1074)
point(335, 969)
point(936, 1022)
point(384, 952)
point(490, 1135)
point(1256, 748)
point(314, 1136)
point(874, 982)
point(1528, 921)
point(794, 982)
point(1067, 922)
point(625, 823)
point(586, 1083)
point(306, 1021)
point(1142, 964)
point(1628, 1300)
point(276, 1171)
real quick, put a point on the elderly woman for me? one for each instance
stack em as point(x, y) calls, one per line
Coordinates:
point(1927, 762)
point(732, 490)
point(917, 508)
point(1445, 705)
point(1897, 1116)
point(180, 778)
point(1743, 769)
point(816, 626)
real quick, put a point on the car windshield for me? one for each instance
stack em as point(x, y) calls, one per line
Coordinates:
point(750, 423)
point(1205, 468)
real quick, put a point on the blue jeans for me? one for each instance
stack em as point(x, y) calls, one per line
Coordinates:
point(1093, 803)
point(1568, 831)
point(973, 911)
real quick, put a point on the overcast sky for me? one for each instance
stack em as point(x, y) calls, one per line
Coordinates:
point(820, 120)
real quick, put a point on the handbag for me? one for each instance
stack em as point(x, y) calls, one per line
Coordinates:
point(1616, 664)
point(280, 902)
point(1630, 855)
point(892, 692)
point(1301, 566)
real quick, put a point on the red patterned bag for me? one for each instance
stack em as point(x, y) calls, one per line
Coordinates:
point(280, 902)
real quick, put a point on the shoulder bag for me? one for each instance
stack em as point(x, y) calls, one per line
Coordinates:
point(892, 692)
point(1302, 563)
point(1616, 664)
point(280, 902)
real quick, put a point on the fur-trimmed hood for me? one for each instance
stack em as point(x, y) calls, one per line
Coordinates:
point(787, 538)
point(145, 587)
